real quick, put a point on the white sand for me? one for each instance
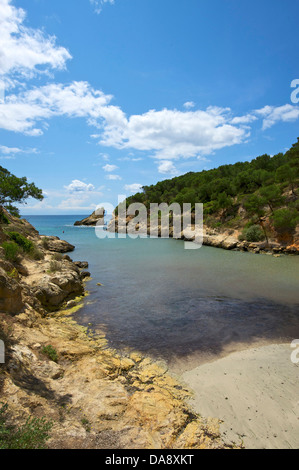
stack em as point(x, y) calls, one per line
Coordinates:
point(256, 394)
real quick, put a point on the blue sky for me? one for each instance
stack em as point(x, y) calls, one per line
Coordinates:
point(103, 97)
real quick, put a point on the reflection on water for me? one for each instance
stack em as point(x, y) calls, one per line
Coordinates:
point(161, 299)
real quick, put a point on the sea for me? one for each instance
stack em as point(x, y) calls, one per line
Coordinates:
point(158, 298)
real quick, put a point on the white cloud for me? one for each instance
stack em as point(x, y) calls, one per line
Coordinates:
point(272, 114)
point(166, 167)
point(114, 177)
point(98, 4)
point(133, 188)
point(22, 112)
point(248, 118)
point(11, 151)
point(75, 204)
point(189, 105)
point(110, 168)
point(24, 50)
point(78, 186)
point(173, 134)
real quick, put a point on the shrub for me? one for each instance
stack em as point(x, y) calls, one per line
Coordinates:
point(4, 219)
point(32, 435)
point(45, 243)
point(36, 254)
point(22, 241)
point(252, 234)
point(57, 257)
point(285, 220)
point(50, 352)
point(11, 251)
point(14, 274)
point(55, 266)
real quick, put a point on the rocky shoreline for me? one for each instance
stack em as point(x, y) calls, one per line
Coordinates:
point(96, 397)
point(225, 239)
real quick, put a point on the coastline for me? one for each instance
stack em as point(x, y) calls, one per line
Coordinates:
point(96, 397)
point(99, 397)
point(226, 239)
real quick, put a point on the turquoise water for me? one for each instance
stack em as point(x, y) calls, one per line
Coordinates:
point(158, 297)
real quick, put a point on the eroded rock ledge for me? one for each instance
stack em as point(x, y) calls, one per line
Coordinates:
point(95, 396)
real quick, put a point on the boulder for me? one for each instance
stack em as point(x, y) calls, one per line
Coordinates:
point(56, 245)
point(81, 264)
point(10, 294)
point(52, 291)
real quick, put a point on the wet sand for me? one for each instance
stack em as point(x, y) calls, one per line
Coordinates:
point(254, 392)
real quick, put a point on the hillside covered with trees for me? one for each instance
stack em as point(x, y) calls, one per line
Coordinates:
point(260, 198)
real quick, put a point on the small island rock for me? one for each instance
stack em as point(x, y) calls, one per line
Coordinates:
point(96, 218)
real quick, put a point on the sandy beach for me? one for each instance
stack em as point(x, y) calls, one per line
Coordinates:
point(254, 392)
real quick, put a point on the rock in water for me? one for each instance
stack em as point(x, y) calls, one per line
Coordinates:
point(96, 218)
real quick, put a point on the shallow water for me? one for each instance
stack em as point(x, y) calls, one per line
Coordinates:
point(161, 299)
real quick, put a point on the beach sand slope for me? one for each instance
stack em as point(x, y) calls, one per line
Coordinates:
point(254, 392)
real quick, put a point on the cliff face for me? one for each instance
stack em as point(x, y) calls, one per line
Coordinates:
point(38, 276)
point(96, 397)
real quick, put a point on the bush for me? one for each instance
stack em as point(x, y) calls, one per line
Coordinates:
point(32, 435)
point(11, 251)
point(23, 242)
point(55, 266)
point(57, 257)
point(45, 243)
point(51, 353)
point(36, 254)
point(285, 220)
point(252, 234)
point(4, 219)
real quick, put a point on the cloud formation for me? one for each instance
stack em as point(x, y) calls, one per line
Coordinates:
point(109, 168)
point(78, 186)
point(273, 115)
point(24, 50)
point(166, 167)
point(98, 5)
point(133, 188)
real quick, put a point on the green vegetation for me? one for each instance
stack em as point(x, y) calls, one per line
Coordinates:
point(86, 424)
point(3, 219)
point(252, 234)
point(50, 352)
point(16, 190)
point(20, 244)
point(265, 186)
point(11, 251)
point(23, 242)
point(32, 435)
point(285, 219)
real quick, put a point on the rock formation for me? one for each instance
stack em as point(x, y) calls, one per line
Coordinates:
point(96, 218)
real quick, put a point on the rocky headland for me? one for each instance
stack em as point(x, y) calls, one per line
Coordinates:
point(96, 218)
point(94, 396)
